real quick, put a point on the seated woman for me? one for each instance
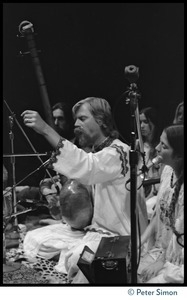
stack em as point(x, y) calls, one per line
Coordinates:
point(163, 260)
point(150, 137)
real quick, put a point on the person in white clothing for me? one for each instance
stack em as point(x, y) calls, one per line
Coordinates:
point(162, 260)
point(106, 168)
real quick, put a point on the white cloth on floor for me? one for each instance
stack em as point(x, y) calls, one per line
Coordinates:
point(50, 240)
point(55, 239)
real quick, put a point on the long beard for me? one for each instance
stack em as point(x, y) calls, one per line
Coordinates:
point(83, 139)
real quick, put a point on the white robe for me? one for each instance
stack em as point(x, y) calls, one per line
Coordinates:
point(164, 239)
point(107, 171)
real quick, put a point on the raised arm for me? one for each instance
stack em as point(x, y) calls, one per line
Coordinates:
point(33, 120)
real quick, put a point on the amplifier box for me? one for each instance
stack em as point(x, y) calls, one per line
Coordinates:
point(109, 264)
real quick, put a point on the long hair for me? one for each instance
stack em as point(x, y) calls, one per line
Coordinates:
point(68, 133)
point(101, 111)
point(65, 108)
point(175, 137)
point(151, 115)
point(175, 120)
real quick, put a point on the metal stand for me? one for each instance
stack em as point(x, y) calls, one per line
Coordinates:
point(34, 150)
point(132, 74)
point(11, 135)
point(41, 166)
point(13, 266)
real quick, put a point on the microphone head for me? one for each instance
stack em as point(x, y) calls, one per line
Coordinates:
point(157, 160)
point(132, 73)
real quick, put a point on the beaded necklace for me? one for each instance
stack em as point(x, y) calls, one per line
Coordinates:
point(171, 210)
point(171, 181)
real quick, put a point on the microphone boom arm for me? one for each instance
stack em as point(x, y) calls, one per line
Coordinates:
point(31, 173)
point(34, 150)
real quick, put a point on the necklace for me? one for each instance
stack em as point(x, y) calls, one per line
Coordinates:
point(171, 212)
point(171, 181)
point(172, 207)
point(103, 144)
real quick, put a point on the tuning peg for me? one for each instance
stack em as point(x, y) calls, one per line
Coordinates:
point(21, 54)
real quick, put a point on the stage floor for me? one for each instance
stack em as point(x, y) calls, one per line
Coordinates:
point(40, 272)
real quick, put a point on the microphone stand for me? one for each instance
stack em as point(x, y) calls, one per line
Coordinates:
point(9, 266)
point(13, 266)
point(31, 173)
point(28, 154)
point(34, 150)
point(132, 74)
point(11, 135)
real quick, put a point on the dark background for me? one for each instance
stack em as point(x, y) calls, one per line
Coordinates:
point(84, 50)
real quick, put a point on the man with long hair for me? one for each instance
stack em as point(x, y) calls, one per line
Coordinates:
point(106, 168)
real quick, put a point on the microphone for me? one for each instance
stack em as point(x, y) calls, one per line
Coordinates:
point(155, 161)
point(151, 181)
point(132, 73)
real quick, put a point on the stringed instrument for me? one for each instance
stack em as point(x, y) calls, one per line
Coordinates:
point(26, 29)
